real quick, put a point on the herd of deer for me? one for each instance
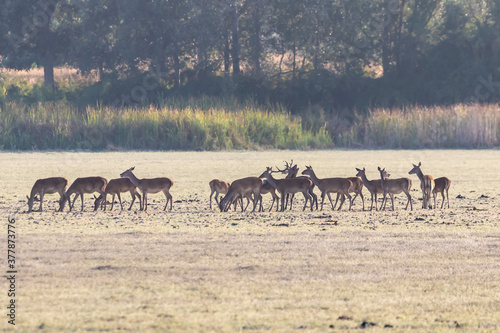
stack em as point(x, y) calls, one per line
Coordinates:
point(249, 188)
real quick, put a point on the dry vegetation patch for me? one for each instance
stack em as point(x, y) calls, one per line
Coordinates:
point(199, 270)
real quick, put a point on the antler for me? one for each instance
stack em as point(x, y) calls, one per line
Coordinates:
point(287, 167)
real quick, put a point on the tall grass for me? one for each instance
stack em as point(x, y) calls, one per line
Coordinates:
point(59, 126)
point(457, 126)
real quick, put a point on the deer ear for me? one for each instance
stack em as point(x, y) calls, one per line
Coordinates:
point(358, 169)
point(419, 164)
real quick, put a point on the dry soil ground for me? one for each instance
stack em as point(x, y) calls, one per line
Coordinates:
point(199, 270)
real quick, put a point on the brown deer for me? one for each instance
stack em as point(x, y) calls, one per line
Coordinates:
point(150, 185)
point(47, 186)
point(115, 187)
point(394, 186)
point(218, 186)
point(289, 186)
point(242, 188)
point(329, 185)
point(426, 184)
point(291, 171)
point(81, 186)
point(441, 185)
point(374, 186)
point(356, 188)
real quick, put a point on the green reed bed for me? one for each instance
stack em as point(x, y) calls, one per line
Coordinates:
point(457, 126)
point(59, 126)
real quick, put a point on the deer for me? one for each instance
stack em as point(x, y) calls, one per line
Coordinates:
point(426, 184)
point(115, 187)
point(47, 186)
point(81, 186)
point(150, 185)
point(289, 186)
point(374, 186)
point(441, 185)
point(291, 171)
point(356, 188)
point(218, 186)
point(242, 188)
point(329, 185)
point(394, 186)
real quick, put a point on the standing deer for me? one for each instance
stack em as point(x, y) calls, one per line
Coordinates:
point(81, 186)
point(374, 186)
point(218, 186)
point(356, 188)
point(394, 186)
point(115, 187)
point(242, 188)
point(329, 185)
point(291, 171)
point(426, 184)
point(47, 186)
point(441, 185)
point(289, 186)
point(150, 185)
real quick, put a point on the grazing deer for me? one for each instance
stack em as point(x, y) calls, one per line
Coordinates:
point(374, 186)
point(81, 186)
point(218, 186)
point(289, 186)
point(115, 187)
point(291, 171)
point(329, 185)
point(394, 186)
point(47, 186)
point(150, 185)
point(242, 188)
point(426, 184)
point(441, 185)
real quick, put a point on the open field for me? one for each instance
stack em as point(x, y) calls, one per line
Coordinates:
point(198, 270)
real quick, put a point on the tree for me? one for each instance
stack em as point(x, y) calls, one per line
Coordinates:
point(38, 33)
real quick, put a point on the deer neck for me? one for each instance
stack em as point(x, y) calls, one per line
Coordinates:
point(366, 182)
point(420, 175)
point(271, 180)
point(133, 179)
point(314, 179)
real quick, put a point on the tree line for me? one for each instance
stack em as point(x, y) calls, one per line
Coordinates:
point(337, 54)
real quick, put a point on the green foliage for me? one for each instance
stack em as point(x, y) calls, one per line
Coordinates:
point(59, 126)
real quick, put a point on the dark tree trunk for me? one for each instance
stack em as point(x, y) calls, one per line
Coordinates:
point(48, 70)
point(236, 43)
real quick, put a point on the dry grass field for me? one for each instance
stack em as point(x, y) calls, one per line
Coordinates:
point(197, 270)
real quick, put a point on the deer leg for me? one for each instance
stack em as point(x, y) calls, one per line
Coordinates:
point(120, 200)
point(307, 197)
point(41, 200)
point(362, 199)
point(81, 195)
point(322, 199)
point(330, 198)
point(133, 200)
point(350, 200)
point(336, 199)
point(409, 201)
point(145, 198)
point(168, 196)
point(211, 198)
